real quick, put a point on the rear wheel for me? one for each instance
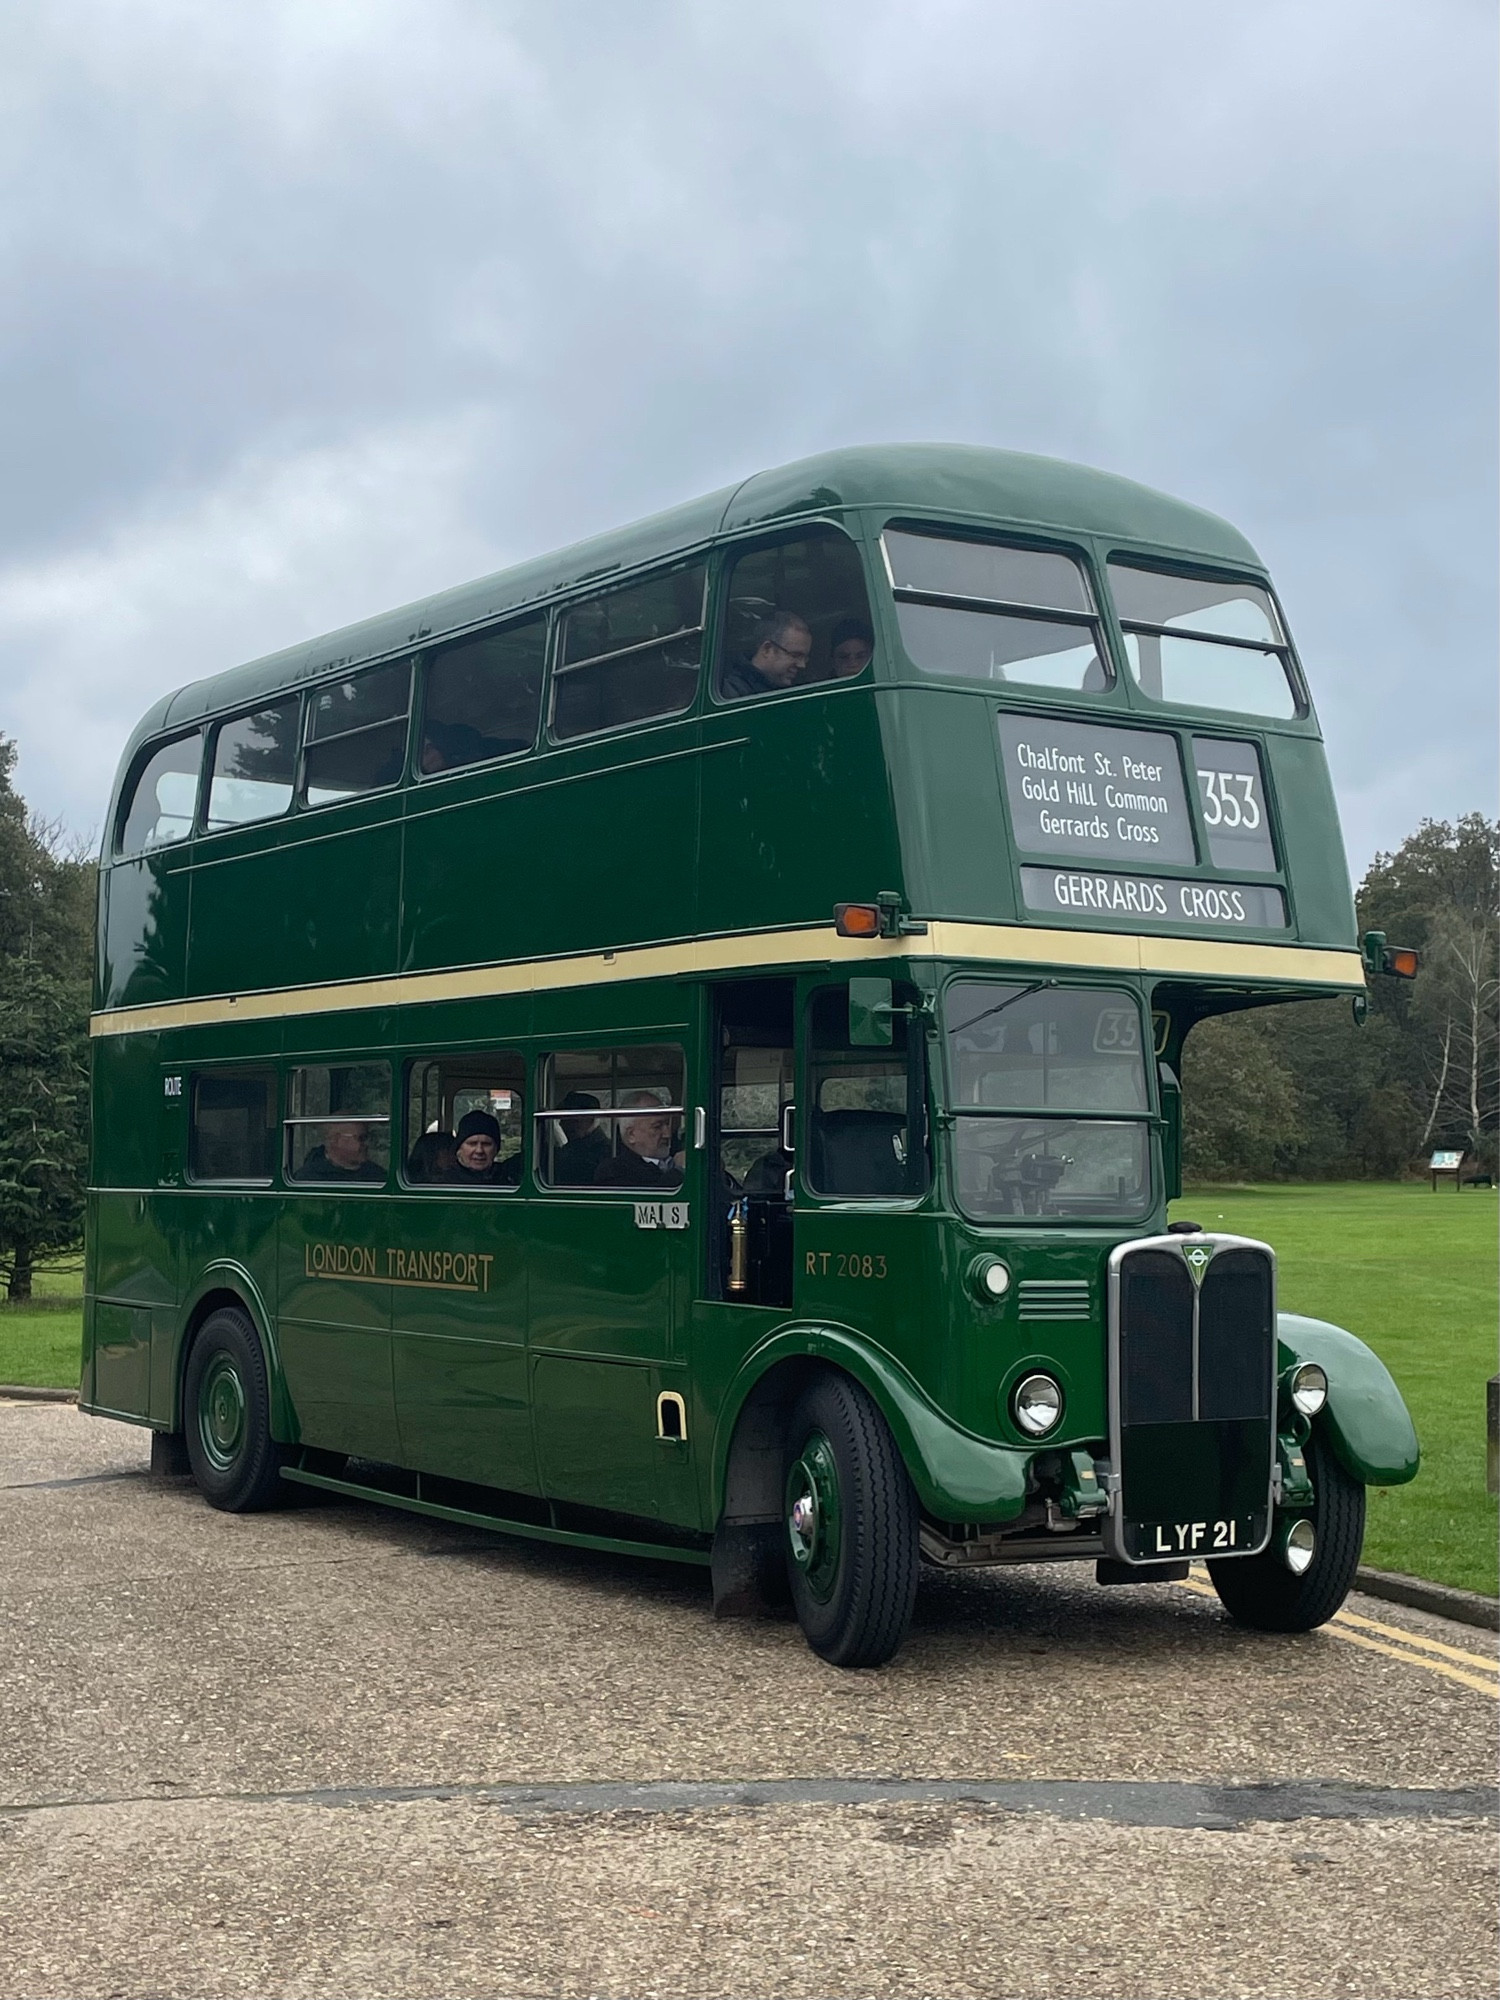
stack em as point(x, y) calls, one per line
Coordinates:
point(851, 1526)
point(1264, 1592)
point(227, 1417)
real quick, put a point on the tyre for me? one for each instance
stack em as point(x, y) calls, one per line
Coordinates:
point(851, 1526)
point(226, 1417)
point(1261, 1591)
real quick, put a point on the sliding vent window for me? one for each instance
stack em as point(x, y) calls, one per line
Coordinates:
point(232, 1126)
point(1196, 642)
point(356, 735)
point(977, 611)
point(629, 655)
point(1050, 1100)
point(164, 797)
point(483, 698)
point(465, 1122)
point(254, 767)
point(338, 1124)
point(612, 1118)
point(796, 613)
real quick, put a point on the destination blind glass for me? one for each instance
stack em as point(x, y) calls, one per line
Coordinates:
point(1101, 794)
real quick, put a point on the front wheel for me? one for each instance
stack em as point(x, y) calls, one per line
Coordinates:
point(227, 1417)
point(1263, 1592)
point(851, 1526)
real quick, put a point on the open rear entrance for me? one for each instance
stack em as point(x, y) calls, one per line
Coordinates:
point(749, 1244)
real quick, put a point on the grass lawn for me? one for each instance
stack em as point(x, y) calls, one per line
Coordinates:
point(1413, 1274)
point(40, 1343)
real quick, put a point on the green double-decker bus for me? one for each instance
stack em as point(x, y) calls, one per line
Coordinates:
point(675, 1048)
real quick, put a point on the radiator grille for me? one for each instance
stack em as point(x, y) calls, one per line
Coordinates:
point(1193, 1395)
point(1054, 1298)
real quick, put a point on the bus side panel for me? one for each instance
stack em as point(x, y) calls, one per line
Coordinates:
point(334, 1322)
point(605, 860)
point(1314, 859)
point(458, 1320)
point(796, 814)
point(318, 905)
point(942, 749)
point(145, 928)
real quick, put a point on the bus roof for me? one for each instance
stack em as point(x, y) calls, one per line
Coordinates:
point(1016, 490)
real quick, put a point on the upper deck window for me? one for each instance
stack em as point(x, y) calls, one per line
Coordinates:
point(356, 735)
point(163, 801)
point(978, 611)
point(796, 613)
point(629, 655)
point(1201, 642)
point(483, 697)
point(254, 767)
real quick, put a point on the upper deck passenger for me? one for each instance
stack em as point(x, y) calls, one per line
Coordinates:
point(780, 648)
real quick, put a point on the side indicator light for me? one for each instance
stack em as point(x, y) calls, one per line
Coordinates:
point(858, 920)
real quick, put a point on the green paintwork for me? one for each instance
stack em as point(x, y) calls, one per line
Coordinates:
point(721, 821)
point(1367, 1420)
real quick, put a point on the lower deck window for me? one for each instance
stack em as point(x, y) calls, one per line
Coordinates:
point(465, 1122)
point(338, 1123)
point(232, 1126)
point(612, 1118)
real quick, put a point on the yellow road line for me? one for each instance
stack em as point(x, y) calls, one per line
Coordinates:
point(1412, 1659)
point(1491, 1688)
point(1406, 1638)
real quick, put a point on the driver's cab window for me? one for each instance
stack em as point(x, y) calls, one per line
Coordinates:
point(867, 1119)
point(1048, 1084)
point(795, 614)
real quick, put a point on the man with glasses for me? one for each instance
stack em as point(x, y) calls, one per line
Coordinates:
point(780, 648)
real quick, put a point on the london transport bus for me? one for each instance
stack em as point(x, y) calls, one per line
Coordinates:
point(675, 1048)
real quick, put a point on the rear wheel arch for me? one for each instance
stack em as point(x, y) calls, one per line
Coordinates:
point(229, 1286)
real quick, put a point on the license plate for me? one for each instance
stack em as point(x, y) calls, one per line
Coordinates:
point(1160, 1541)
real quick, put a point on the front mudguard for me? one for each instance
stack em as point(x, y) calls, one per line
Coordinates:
point(1365, 1418)
point(958, 1476)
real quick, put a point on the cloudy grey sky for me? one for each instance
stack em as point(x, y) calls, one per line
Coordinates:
point(313, 306)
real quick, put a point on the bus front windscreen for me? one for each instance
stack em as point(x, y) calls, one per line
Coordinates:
point(1048, 1084)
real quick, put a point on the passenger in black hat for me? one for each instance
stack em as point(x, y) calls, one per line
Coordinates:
point(478, 1139)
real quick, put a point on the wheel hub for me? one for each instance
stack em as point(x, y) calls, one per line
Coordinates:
point(814, 1517)
point(221, 1413)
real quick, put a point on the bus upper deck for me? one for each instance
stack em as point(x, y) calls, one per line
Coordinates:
point(1009, 692)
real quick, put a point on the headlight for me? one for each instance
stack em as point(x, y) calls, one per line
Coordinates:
point(989, 1279)
point(1309, 1389)
point(1038, 1405)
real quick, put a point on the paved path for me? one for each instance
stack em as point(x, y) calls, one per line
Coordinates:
point(346, 1752)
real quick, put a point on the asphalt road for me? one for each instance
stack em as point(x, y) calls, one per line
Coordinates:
point(342, 1751)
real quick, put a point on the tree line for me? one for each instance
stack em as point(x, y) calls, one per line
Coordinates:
point(1299, 1092)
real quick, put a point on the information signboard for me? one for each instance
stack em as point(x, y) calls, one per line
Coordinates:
point(1100, 794)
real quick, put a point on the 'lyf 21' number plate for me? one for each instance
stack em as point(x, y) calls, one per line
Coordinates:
point(1192, 1538)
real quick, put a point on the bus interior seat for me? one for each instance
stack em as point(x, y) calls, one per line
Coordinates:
point(854, 1152)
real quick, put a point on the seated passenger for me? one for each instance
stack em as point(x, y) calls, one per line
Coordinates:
point(780, 648)
point(767, 1175)
point(585, 1145)
point(343, 1156)
point(643, 1156)
point(478, 1139)
point(433, 1158)
point(851, 649)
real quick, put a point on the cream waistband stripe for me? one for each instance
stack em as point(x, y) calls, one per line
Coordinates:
point(997, 944)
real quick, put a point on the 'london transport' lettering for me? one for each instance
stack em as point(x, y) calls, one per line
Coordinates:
point(361, 1264)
